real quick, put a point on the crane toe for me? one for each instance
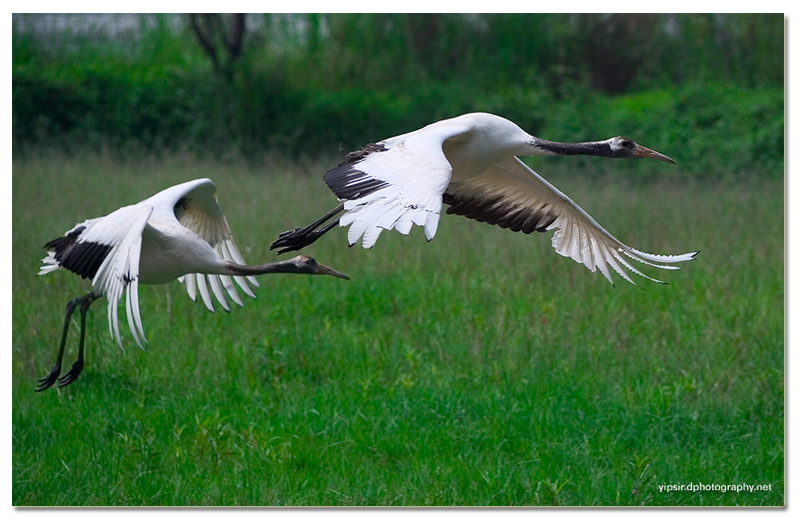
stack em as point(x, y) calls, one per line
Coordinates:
point(49, 379)
point(296, 239)
point(72, 375)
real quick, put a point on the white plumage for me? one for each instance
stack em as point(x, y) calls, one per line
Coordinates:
point(470, 163)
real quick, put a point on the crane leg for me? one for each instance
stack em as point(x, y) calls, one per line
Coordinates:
point(50, 378)
point(300, 237)
point(77, 367)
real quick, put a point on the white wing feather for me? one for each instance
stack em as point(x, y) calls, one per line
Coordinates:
point(122, 230)
point(414, 173)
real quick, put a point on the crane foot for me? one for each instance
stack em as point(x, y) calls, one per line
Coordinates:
point(49, 379)
point(72, 375)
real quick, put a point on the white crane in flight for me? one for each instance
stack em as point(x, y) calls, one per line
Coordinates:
point(470, 163)
point(179, 233)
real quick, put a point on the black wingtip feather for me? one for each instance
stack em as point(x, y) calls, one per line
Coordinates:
point(81, 258)
point(348, 182)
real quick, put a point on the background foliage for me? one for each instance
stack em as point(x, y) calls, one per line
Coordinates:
point(705, 88)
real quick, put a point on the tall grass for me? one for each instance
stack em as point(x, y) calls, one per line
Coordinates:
point(477, 369)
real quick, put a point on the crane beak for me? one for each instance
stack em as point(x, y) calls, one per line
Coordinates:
point(641, 151)
point(327, 270)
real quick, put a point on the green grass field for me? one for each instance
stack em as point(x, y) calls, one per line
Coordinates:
point(478, 369)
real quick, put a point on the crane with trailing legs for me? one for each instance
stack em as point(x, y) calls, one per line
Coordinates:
point(179, 233)
point(470, 163)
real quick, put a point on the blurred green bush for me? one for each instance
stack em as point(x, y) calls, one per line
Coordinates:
point(719, 111)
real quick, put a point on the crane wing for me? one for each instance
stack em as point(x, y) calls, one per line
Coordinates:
point(511, 195)
point(197, 209)
point(395, 183)
point(119, 235)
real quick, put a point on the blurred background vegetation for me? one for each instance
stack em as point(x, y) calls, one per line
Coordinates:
point(707, 89)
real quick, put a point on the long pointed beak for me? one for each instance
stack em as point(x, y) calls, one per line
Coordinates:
point(327, 270)
point(641, 151)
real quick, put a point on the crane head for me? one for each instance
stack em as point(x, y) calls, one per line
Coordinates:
point(310, 265)
point(624, 148)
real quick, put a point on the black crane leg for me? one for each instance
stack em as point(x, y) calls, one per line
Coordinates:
point(300, 237)
point(50, 378)
point(77, 367)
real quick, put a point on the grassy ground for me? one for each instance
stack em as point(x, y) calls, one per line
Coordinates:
point(478, 369)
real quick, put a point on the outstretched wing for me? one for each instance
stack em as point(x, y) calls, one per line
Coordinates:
point(395, 183)
point(513, 196)
point(197, 209)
